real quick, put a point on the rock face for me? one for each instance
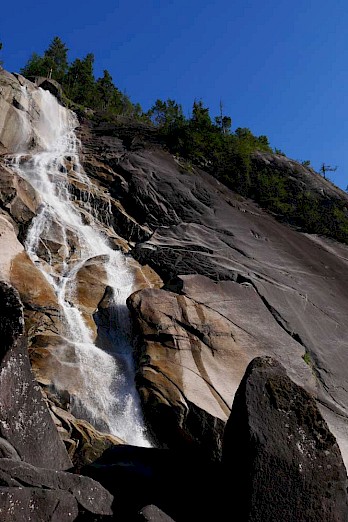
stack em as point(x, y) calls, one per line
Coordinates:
point(14, 133)
point(24, 419)
point(190, 339)
point(29, 440)
point(217, 283)
point(23, 127)
point(289, 294)
point(282, 461)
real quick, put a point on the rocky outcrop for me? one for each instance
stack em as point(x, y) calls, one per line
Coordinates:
point(48, 84)
point(281, 460)
point(28, 492)
point(24, 419)
point(201, 227)
point(153, 514)
point(237, 284)
point(14, 132)
point(31, 450)
point(301, 177)
point(195, 345)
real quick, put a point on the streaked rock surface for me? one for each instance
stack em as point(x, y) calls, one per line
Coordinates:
point(200, 227)
point(267, 288)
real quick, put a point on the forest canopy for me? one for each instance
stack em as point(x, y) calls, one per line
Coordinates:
point(78, 81)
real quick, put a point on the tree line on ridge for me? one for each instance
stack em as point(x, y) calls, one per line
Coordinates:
point(199, 140)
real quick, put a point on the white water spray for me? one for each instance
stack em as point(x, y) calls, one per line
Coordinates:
point(107, 393)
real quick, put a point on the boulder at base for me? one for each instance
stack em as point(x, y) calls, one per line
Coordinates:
point(283, 462)
point(24, 418)
point(38, 494)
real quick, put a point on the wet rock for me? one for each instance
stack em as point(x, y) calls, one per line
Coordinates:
point(282, 461)
point(91, 282)
point(84, 443)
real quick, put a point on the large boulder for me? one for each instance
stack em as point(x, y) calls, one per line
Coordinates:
point(24, 418)
point(280, 460)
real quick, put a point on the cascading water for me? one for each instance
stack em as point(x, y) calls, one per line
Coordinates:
point(107, 393)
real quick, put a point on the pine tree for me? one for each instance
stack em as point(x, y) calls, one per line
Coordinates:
point(57, 56)
point(37, 66)
point(166, 113)
point(200, 116)
point(80, 81)
point(108, 96)
point(54, 62)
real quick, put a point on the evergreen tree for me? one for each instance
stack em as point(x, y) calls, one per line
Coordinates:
point(57, 55)
point(108, 96)
point(224, 122)
point(200, 116)
point(105, 89)
point(80, 81)
point(37, 66)
point(166, 114)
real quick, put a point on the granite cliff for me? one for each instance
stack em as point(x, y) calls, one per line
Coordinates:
point(212, 280)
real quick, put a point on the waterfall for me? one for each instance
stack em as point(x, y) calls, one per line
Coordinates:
point(105, 392)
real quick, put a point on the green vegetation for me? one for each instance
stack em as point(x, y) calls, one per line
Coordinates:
point(307, 358)
point(200, 141)
point(78, 81)
point(230, 157)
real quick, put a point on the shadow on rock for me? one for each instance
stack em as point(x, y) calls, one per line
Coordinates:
point(182, 485)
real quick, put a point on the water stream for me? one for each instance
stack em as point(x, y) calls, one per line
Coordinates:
point(106, 393)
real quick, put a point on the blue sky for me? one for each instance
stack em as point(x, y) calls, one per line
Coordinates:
point(279, 67)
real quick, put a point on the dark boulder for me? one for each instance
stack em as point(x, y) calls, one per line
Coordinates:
point(11, 317)
point(45, 488)
point(153, 514)
point(25, 422)
point(39, 505)
point(48, 84)
point(283, 461)
point(7, 451)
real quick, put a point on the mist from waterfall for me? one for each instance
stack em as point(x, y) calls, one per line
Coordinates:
point(106, 394)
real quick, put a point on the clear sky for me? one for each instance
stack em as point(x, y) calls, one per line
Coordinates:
point(280, 67)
